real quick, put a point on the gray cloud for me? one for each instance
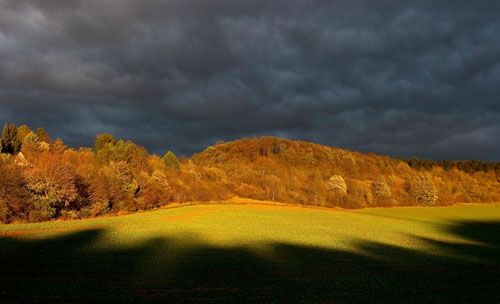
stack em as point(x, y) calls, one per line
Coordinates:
point(403, 78)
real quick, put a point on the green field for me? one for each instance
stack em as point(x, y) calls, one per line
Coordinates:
point(258, 253)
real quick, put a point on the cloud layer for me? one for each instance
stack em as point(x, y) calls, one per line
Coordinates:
point(404, 78)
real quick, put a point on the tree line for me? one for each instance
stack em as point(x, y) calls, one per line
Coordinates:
point(469, 166)
point(42, 179)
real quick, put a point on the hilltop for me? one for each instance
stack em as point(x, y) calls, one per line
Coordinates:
point(43, 179)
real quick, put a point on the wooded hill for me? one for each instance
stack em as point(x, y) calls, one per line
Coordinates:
point(42, 179)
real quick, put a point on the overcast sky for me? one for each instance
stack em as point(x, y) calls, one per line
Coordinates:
point(403, 78)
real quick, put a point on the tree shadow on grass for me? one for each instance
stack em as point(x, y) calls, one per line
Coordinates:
point(69, 268)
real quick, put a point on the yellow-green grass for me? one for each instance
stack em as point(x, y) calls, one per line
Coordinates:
point(258, 253)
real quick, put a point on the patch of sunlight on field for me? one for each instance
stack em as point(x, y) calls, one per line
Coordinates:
point(227, 225)
point(233, 252)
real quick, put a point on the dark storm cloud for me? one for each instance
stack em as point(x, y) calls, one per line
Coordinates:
point(404, 78)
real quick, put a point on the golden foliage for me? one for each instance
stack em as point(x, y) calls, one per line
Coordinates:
point(118, 176)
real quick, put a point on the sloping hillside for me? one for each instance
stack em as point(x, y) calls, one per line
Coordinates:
point(307, 173)
point(42, 179)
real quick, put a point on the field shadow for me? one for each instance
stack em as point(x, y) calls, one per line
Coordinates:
point(69, 268)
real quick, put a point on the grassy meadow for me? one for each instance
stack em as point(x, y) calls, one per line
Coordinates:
point(258, 253)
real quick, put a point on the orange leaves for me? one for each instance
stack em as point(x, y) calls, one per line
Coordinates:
point(13, 196)
point(51, 185)
point(53, 179)
point(119, 176)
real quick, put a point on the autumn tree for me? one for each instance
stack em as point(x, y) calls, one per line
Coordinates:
point(424, 190)
point(99, 195)
point(13, 197)
point(82, 165)
point(337, 190)
point(115, 187)
point(358, 195)
point(5, 159)
point(51, 184)
point(471, 189)
point(317, 186)
point(251, 149)
point(337, 184)
point(380, 189)
point(139, 159)
point(156, 192)
point(265, 166)
point(272, 186)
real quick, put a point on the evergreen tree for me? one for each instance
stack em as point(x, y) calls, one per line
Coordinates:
point(43, 135)
point(10, 140)
point(102, 140)
point(32, 140)
point(16, 142)
point(22, 131)
point(58, 146)
point(107, 149)
point(5, 139)
point(31, 147)
point(170, 160)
